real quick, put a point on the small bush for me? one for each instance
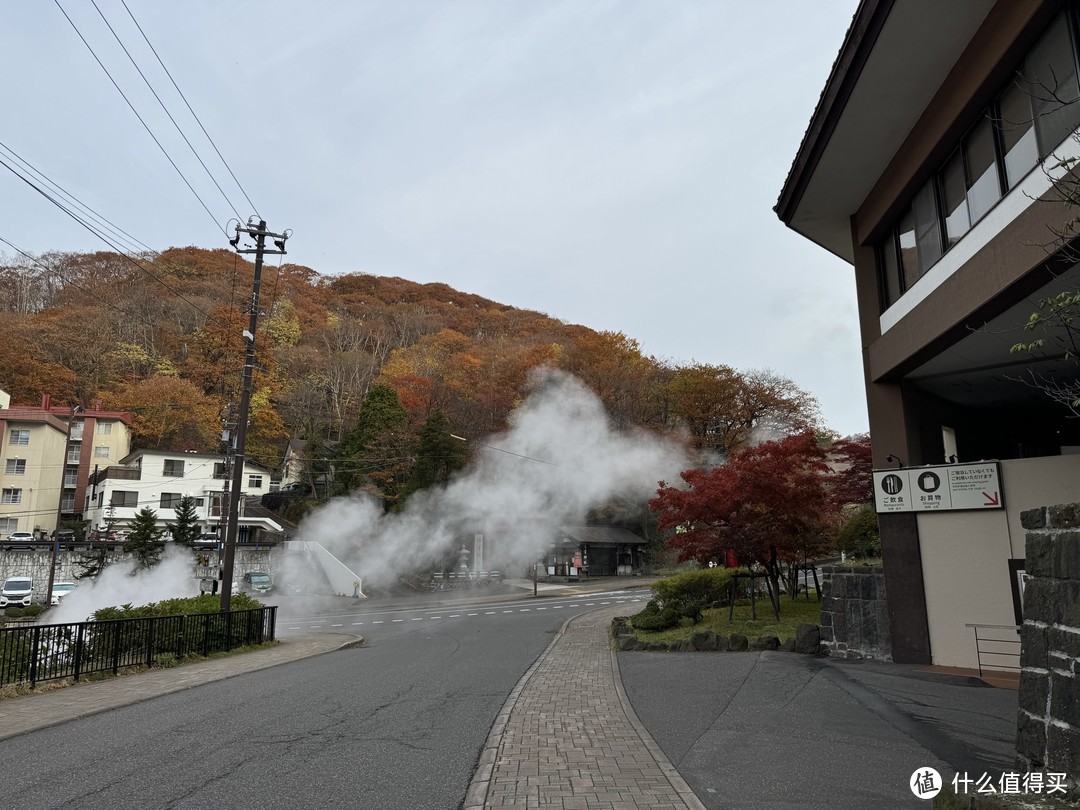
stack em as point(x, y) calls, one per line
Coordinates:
point(692, 590)
point(33, 610)
point(15, 612)
point(186, 606)
point(656, 621)
point(860, 536)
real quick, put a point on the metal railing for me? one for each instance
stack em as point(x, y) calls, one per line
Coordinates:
point(990, 647)
point(33, 653)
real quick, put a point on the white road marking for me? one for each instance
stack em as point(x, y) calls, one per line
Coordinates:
point(335, 625)
point(524, 610)
point(508, 611)
point(315, 626)
point(490, 613)
point(398, 620)
point(544, 608)
point(418, 619)
point(380, 621)
point(434, 617)
point(472, 614)
point(454, 616)
point(356, 623)
point(294, 628)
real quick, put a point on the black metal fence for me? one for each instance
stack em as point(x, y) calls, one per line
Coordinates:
point(32, 653)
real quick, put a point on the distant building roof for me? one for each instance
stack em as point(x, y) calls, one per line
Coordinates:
point(601, 534)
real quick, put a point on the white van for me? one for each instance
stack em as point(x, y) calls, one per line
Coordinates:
point(17, 591)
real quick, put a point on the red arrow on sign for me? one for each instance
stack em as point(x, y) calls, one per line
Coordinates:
point(992, 500)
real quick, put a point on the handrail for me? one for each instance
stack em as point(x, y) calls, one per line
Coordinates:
point(980, 650)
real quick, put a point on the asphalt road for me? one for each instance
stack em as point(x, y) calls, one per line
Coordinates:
point(396, 724)
point(776, 730)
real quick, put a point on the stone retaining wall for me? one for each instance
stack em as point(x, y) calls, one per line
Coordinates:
point(854, 613)
point(34, 563)
point(1048, 718)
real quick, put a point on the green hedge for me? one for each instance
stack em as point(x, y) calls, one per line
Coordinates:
point(186, 606)
point(693, 589)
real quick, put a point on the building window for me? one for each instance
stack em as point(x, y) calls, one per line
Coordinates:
point(101, 451)
point(103, 428)
point(11, 496)
point(1032, 116)
point(219, 469)
point(255, 482)
point(9, 525)
point(174, 468)
point(15, 466)
point(200, 503)
point(20, 437)
point(67, 503)
point(170, 500)
point(121, 497)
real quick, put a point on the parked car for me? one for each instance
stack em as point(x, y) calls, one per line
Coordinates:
point(59, 591)
point(258, 582)
point(21, 537)
point(17, 591)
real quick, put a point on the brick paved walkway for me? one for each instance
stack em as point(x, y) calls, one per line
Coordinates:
point(568, 738)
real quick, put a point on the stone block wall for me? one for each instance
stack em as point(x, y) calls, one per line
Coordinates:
point(1048, 718)
point(854, 614)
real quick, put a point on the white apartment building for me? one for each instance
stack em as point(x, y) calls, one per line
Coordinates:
point(159, 479)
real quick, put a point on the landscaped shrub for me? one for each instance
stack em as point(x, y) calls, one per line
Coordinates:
point(15, 612)
point(693, 590)
point(33, 610)
point(654, 619)
point(185, 606)
point(860, 537)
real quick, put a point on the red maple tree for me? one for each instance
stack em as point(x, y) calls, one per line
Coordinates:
point(852, 479)
point(769, 504)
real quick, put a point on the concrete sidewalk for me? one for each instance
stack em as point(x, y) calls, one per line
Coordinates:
point(52, 707)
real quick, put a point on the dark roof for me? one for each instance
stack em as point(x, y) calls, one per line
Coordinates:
point(601, 534)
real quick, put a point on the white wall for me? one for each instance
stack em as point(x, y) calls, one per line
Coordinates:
point(965, 555)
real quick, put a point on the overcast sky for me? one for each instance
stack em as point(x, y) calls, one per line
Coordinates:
point(612, 164)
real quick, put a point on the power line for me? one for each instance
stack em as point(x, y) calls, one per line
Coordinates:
point(146, 81)
point(105, 239)
point(196, 117)
point(141, 121)
point(117, 231)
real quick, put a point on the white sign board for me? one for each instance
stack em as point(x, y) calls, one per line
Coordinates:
point(940, 488)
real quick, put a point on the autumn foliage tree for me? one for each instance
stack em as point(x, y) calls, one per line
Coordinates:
point(768, 504)
point(853, 470)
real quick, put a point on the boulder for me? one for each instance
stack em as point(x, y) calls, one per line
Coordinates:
point(808, 639)
point(788, 646)
point(765, 643)
point(738, 643)
point(703, 640)
point(624, 643)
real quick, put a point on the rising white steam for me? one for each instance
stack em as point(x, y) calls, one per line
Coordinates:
point(559, 458)
point(122, 584)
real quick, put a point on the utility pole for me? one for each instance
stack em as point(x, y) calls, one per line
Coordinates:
point(232, 526)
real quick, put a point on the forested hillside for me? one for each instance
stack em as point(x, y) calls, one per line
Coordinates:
point(161, 337)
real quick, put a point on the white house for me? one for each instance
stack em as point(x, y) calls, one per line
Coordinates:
point(159, 479)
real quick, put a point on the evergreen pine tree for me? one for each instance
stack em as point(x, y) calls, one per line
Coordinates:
point(185, 529)
point(144, 540)
point(438, 454)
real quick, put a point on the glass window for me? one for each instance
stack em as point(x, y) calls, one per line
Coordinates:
point(927, 226)
point(101, 451)
point(170, 500)
point(103, 428)
point(1015, 123)
point(255, 481)
point(11, 496)
point(8, 525)
point(15, 466)
point(174, 468)
point(954, 196)
point(891, 284)
point(219, 469)
point(909, 254)
point(1049, 78)
point(20, 437)
point(984, 188)
point(122, 497)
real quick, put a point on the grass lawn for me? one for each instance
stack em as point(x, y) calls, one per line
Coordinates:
point(792, 614)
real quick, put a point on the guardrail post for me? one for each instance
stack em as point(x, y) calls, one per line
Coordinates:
point(180, 639)
point(117, 627)
point(35, 650)
point(79, 648)
point(150, 642)
point(273, 622)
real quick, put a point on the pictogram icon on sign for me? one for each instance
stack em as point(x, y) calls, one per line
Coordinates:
point(892, 484)
point(929, 482)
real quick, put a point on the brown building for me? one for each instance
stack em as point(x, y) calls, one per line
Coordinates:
point(933, 165)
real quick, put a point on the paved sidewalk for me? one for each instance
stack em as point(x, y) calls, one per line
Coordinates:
point(568, 738)
point(50, 708)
